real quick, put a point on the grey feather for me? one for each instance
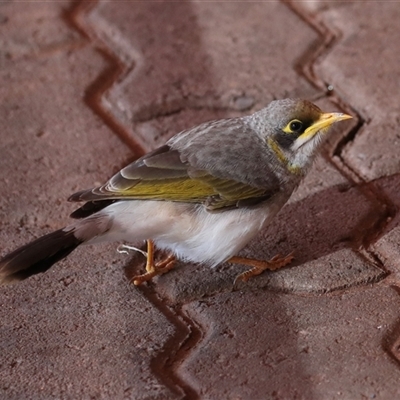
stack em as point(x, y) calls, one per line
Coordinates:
point(229, 149)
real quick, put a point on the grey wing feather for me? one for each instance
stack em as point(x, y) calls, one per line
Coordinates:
point(227, 154)
point(163, 163)
point(160, 164)
point(229, 149)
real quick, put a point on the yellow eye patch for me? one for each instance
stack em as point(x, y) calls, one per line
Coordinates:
point(294, 126)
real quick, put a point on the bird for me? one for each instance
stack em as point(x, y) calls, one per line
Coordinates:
point(201, 197)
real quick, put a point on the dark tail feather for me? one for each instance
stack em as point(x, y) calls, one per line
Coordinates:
point(37, 256)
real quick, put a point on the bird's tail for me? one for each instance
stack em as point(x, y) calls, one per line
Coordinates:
point(38, 256)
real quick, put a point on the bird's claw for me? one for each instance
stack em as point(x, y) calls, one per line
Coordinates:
point(259, 266)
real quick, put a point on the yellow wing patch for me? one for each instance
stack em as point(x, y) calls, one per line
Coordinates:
point(190, 190)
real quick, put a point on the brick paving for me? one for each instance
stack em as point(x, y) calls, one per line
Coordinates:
point(88, 86)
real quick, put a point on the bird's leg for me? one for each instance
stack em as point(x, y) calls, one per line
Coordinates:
point(153, 269)
point(258, 266)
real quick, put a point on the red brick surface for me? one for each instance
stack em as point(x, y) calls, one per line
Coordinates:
point(88, 86)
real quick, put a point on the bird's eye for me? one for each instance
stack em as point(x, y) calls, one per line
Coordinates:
point(295, 125)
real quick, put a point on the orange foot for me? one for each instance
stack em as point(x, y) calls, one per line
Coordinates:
point(153, 269)
point(259, 266)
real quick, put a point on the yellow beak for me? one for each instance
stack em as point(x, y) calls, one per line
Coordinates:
point(323, 123)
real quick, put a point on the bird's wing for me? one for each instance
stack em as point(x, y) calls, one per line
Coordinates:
point(168, 174)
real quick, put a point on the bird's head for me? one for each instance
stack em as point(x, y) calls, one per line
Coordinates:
point(295, 128)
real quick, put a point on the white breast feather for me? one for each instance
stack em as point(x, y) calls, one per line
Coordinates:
point(189, 231)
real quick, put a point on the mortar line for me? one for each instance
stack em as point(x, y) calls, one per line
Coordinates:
point(329, 38)
point(118, 69)
point(305, 68)
point(186, 332)
point(336, 157)
point(167, 361)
